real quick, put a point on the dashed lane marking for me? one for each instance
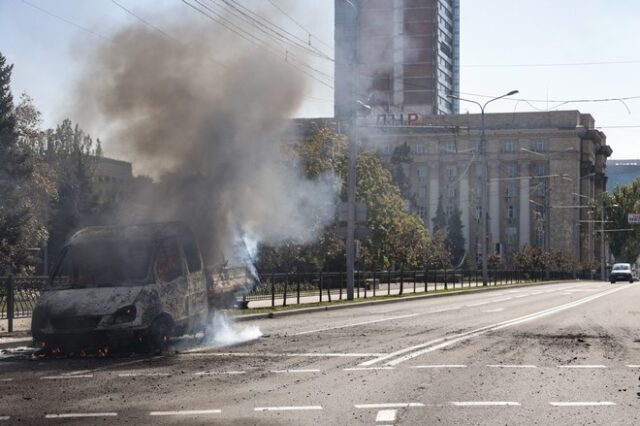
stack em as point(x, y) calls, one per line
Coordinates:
point(390, 405)
point(367, 368)
point(633, 365)
point(77, 376)
point(219, 373)
point(582, 366)
point(5, 417)
point(582, 404)
point(139, 374)
point(290, 408)
point(78, 415)
point(511, 366)
point(490, 311)
point(185, 412)
point(337, 327)
point(386, 416)
point(8, 379)
point(484, 403)
point(296, 371)
point(440, 366)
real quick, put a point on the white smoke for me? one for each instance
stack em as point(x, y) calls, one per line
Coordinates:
point(224, 332)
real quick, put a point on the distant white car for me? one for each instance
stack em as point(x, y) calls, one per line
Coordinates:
point(621, 272)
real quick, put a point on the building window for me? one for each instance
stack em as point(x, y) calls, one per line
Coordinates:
point(450, 209)
point(541, 190)
point(422, 212)
point(539, 146)
point(385, 149)
point(450, 147)
point(478, 170)
point(452, 192)
point(509, 146)
point(452, 172)
point(419, 148)
point(510, 191)
point(422, 192)
point(540, 169)
point(511, 213)
point(512, 236)
point(421, 171)
point(512, 170)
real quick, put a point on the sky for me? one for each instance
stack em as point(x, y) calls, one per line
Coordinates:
point(552, 51)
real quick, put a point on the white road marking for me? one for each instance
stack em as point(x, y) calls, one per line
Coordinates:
point(582, 366)
point(217, 373)
point(443, 342)
point(79, 415)
point(356, 324)
point(386, 416)
point(5, 417)
point(633, 365)
point(391, 405)
point(8, 379)
point(437, 311)
point(582, 404)
point(504, 299)
point(511, 366)
point(522, 295)
point(488, 311)
point(73, 373)
point(184, 412)
point(484, 403)
point(135, 374)
point(78, 376)
point(290, 408)
point(471, 305)
point(295, 371)
point(280, 355)
point(440, 366)
point(367, 368)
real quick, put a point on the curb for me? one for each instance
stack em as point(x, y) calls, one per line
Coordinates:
point(398, 299)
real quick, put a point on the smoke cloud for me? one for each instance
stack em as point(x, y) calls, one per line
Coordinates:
point(205, 117)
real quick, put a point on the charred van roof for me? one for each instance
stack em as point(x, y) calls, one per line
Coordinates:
point(142, 232)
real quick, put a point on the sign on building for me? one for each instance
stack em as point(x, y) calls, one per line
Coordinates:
point(633, 218)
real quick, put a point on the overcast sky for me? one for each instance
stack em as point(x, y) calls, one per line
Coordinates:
point(531, 46)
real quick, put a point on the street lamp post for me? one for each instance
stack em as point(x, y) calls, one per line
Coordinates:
point(485, 182)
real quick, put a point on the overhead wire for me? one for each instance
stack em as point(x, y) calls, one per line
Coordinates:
point(217, 18)
point(299, 25)
point(277, 30)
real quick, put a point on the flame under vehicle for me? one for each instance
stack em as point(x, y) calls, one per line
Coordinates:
point(117, 285)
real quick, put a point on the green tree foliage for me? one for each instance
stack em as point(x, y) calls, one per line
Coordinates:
point(20, 229)
point(440, 219)
point(400, 162)
point(455, 239)
point(71, 153)
point(625, 199)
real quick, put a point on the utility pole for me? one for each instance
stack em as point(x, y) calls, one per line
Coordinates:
point(484, 185)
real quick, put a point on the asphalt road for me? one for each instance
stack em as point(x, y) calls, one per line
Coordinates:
point(551, 355)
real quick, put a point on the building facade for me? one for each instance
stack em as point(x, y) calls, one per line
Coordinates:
point(397, 54)
point(547, 170)
point(547, 173)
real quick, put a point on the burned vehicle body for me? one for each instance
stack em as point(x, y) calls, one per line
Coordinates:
point(124, 284)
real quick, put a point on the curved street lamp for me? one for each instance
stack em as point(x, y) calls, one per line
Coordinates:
point(485, 182)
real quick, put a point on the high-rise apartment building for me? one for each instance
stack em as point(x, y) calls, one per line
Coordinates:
point(398, 56)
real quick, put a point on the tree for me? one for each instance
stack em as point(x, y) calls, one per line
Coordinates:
point(455, 240)
point(625, 199)
point(440, 219)
point(71, 154)
point(400, 161)
point(19, 227)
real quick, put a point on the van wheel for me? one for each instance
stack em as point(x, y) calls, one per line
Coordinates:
point(161, 330)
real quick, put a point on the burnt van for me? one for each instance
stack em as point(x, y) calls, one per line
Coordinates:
point(117, 285)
